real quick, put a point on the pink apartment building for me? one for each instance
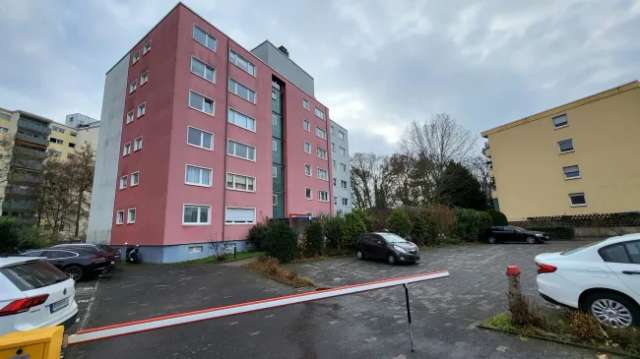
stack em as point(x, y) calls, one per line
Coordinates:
point(202, 139)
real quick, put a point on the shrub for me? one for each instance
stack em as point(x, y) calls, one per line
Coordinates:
point(399, 223)
point(257, 235)
point(420, 228)
point(556, 232)
point(584, 326)
point(281, 242)
point(440, 222)
point(373, 219)
point(471, 224)
point(353, 228)
point(334, 228)
point(498, 218)
point(313, 239)
point(271, 268)
point(15, 237)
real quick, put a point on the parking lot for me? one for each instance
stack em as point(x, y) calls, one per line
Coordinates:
point(369, 325)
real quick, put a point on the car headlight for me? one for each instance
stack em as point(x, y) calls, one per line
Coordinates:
point(401, 250)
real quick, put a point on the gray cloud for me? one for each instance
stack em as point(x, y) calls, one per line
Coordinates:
point(378, 64)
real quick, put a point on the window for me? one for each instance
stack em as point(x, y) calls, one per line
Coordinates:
point(343, 184)
point(241, 183)
point(571, 172)
point(130, 117)
point(55, 128)
point(144, 77)
point(195, 249)
point(242, 120)
point(72, 145)
point(578, 199)
point(133, 86)
point(560, 121)
point(120, 217)
point(341, 135)
point(135, 57)
point(73, 134)
point(198, 176)
point(137, 144)
point(274, 171)
point(305, 104)
point(345, 201)
point(201, 103)
point(321, 133)
point(4, 130)
point(322, 153)
point(306, 125)
point(242, 63)
point(343, 151)
point(616, 253)
point(238, 149)
point(199, 138)
point(307, 147)
point(134, 179)
point(335, 181)
point(123, 182)
point(240, 215)
point(241, 90)
point(146, 48)
point(333, 147)
point(142, 109)
point(131, 216)
point(334, 164)
point(56, 140)
point(126, 149)
point(566, 145)
point(204, 39)
point(203, 70)
point(323, 196)
point(307, 170)
point(343, 167)
point(308, 193)
point(195, 214)
point(323, 174)
point(319, 113)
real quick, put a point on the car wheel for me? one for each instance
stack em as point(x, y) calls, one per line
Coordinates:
point(612, 310)
point(391, 259)
point(531, 240)
point(74, 271)
point(492, 240)
point(360, 255)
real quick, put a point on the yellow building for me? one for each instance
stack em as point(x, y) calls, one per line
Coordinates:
point(64, 139)
point(579, 158)
point(8, 128)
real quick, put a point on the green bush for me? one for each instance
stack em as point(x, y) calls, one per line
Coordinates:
point(471, 224)
point(498, 218)
point(334, 228)
point(352, 229)
point(420, 228)
point(557, 232)
point(313, 240)
point(441, 221)
point(15, 237)
point(399, 223)
point(280, 242)
point(257, 235)
point(373, 220)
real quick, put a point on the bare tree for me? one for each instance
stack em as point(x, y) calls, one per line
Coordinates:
point(479, 166)
point(81, 165)
point(370, 180)
point(5, 158)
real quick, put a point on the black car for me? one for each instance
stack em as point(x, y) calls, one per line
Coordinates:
point(498, 234)
point(113, 255)
point(78, 262)
point(387, 246)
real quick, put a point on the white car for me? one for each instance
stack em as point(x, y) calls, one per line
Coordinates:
point(602, 278)
point(34, 294)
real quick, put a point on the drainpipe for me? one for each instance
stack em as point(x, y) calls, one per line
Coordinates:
point(226, 123)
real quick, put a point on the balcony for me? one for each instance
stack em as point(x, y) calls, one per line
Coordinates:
point(36, 126)
point(31, 138)
point(29, 153)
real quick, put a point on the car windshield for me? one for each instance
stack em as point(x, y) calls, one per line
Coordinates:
point(33, 275)
point(392, 238)
point(579, 249)
point(516, 228)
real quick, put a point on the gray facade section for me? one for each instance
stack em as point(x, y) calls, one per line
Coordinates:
point(341, 168)
point(188, 252)
point(107, 154)
point(281, 62)
point(78, 119)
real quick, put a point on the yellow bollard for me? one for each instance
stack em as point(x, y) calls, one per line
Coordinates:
point(43, 343)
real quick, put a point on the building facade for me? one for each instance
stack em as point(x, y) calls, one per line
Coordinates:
point(209, 139)
point(341, 164)
point(80, 130)
point(578, 158)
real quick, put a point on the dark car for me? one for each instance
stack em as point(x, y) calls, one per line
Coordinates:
point(501, 234)
point(387, 246)
point(78, 262)
point(113, 255)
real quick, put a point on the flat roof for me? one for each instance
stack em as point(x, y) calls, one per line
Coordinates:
point(563, 108)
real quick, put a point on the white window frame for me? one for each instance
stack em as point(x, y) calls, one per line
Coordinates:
point(135, 215)
point(226, 183)
point(126, 149)
point(236, 112)
point(255, 150)
point(186, 171)
point(575, 194)
point(234, 56)
point(130, 117)
point(306, 104)
point(318, 170)
point(133, 175)
point(234, 85)
point(320, 197)
point(573, 147)
point(208, 38)
point(120, 216)
point(198, 223)
point(144, 77)
point(321, 133)
point(310, 192)
point(566, 124)
point(124, 180)
point(229, 223)
point(213, 69)
point(321, 153)
point(306, 125)
point(572, 177)
point(319, 113)
point(213, 103)
point(135, 57)
point(310, 168)
point(305, 148)
point(133, 86)
point(202, 132)
point(141, 110)
point(146, 47)
point(137, 144)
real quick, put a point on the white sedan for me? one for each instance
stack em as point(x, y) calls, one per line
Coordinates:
point(602, 278)
point(34, 294)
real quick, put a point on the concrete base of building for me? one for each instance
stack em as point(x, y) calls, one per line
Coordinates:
point(188, 252)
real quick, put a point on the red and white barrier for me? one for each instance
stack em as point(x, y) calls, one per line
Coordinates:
point(164, 321)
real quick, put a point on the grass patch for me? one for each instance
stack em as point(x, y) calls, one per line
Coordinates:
point(224, 259)
point(271, 268)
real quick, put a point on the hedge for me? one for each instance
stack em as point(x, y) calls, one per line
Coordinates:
point(556, 232)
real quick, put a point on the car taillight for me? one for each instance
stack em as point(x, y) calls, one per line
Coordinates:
point(22, 305)
point(546, 268)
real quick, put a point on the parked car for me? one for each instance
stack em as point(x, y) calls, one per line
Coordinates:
point(34, 294)
point(387, 246)
point(77, 262)
point(602, 278)
point(501, 234)
point(112, 254)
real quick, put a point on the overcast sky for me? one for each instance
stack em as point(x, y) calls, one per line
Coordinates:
point(377, 64)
